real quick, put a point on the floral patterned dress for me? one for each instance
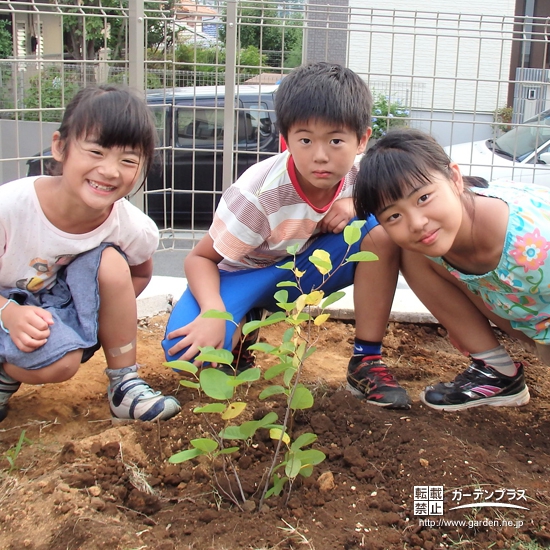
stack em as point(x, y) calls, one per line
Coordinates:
point(519, 288)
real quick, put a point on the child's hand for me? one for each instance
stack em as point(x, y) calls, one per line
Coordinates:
point(198, 334)
point(339, 215)
point(29, 326)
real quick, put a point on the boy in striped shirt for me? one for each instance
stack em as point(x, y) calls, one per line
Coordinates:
point(301, 196)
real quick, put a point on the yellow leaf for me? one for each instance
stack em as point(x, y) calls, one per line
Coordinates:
point(320, 319)
point(301, 302)
point(322, 255)
point(233, 410)
point(314, 298)
point(275, 433)
point(298, 274)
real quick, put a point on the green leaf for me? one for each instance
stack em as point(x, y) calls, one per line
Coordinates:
point(273, 318)
point(216, 314)
point(287, 283)
point(288, 265)
point(288, 335)
point(251, 326)
point(229, 450)
point(287, 347)
point(302, 399)
point(288, 375)
point(278, 485)
point(303, 440)
point(204, 444)
point(311, 456)
point(269, 418)
point(215, 384)
point(232, 432)
point(184, 366)
point(248, 429)
point(306, 471)
point(331, 298)
point(249, 375)
point(263, 347)
point(286, 306)
point(281, 296)
point(189, 384)
point(309, 352)
point(271, 391)
point(321, 264)
point(183, 456)
point(351, 234)
point(293, 466)
point(293, 249)
point(362, 257)
point(274, 371)
point(210, 355)
point(210, 408)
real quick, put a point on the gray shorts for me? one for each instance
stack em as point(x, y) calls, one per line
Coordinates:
point(73, 302)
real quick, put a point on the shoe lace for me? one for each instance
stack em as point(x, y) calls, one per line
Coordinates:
point(141, 389)
point(379, 372)
point(471, 373)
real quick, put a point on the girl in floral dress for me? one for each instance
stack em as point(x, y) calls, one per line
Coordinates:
point(472, 255)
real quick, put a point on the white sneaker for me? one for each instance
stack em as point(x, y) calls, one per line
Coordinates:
point(134, 399)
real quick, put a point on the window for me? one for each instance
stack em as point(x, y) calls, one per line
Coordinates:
point(202, 127)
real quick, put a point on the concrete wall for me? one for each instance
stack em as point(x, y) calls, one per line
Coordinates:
point(461, 58)
point(453, 128)
point(21, 139)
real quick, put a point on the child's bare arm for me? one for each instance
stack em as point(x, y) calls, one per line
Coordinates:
point(203, 277)
point(141, 275)
point(339, 215)
point(28, 326)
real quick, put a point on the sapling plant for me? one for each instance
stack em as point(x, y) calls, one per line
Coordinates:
point(293, 455)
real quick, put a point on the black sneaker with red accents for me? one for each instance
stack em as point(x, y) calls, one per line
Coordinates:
point(369, 378)
point(478, 385)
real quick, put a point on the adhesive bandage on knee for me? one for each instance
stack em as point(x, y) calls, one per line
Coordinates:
point(115, 352)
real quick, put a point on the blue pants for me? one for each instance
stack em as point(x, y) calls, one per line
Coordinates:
point(246, 289)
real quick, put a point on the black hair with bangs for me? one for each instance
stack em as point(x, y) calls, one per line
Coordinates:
point(402, 161)
point(116, 116)
point(327, 92)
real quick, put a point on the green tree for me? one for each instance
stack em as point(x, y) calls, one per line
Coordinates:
point(206, 65)
point(276, 33)
point(85, 35)
point(6, 42)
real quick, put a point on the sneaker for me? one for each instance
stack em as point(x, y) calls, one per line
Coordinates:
point(369, 378)
point(244, 358)
point(8, 386)
point(134, 399)
point(478, 385)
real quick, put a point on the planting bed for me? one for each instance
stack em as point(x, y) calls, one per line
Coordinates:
point(82, 482)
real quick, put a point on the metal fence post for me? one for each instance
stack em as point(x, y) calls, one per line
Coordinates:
point(229, 109)
point(136, 65)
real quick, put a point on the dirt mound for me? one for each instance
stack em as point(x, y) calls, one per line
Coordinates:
point(82, 482)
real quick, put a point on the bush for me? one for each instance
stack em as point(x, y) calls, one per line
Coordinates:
point(52, 89)
point(387, 114)
point(503, 119)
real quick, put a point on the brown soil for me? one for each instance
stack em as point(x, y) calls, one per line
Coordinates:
point(82, 482)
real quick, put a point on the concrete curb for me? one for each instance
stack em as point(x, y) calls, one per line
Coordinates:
point(162, 292)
